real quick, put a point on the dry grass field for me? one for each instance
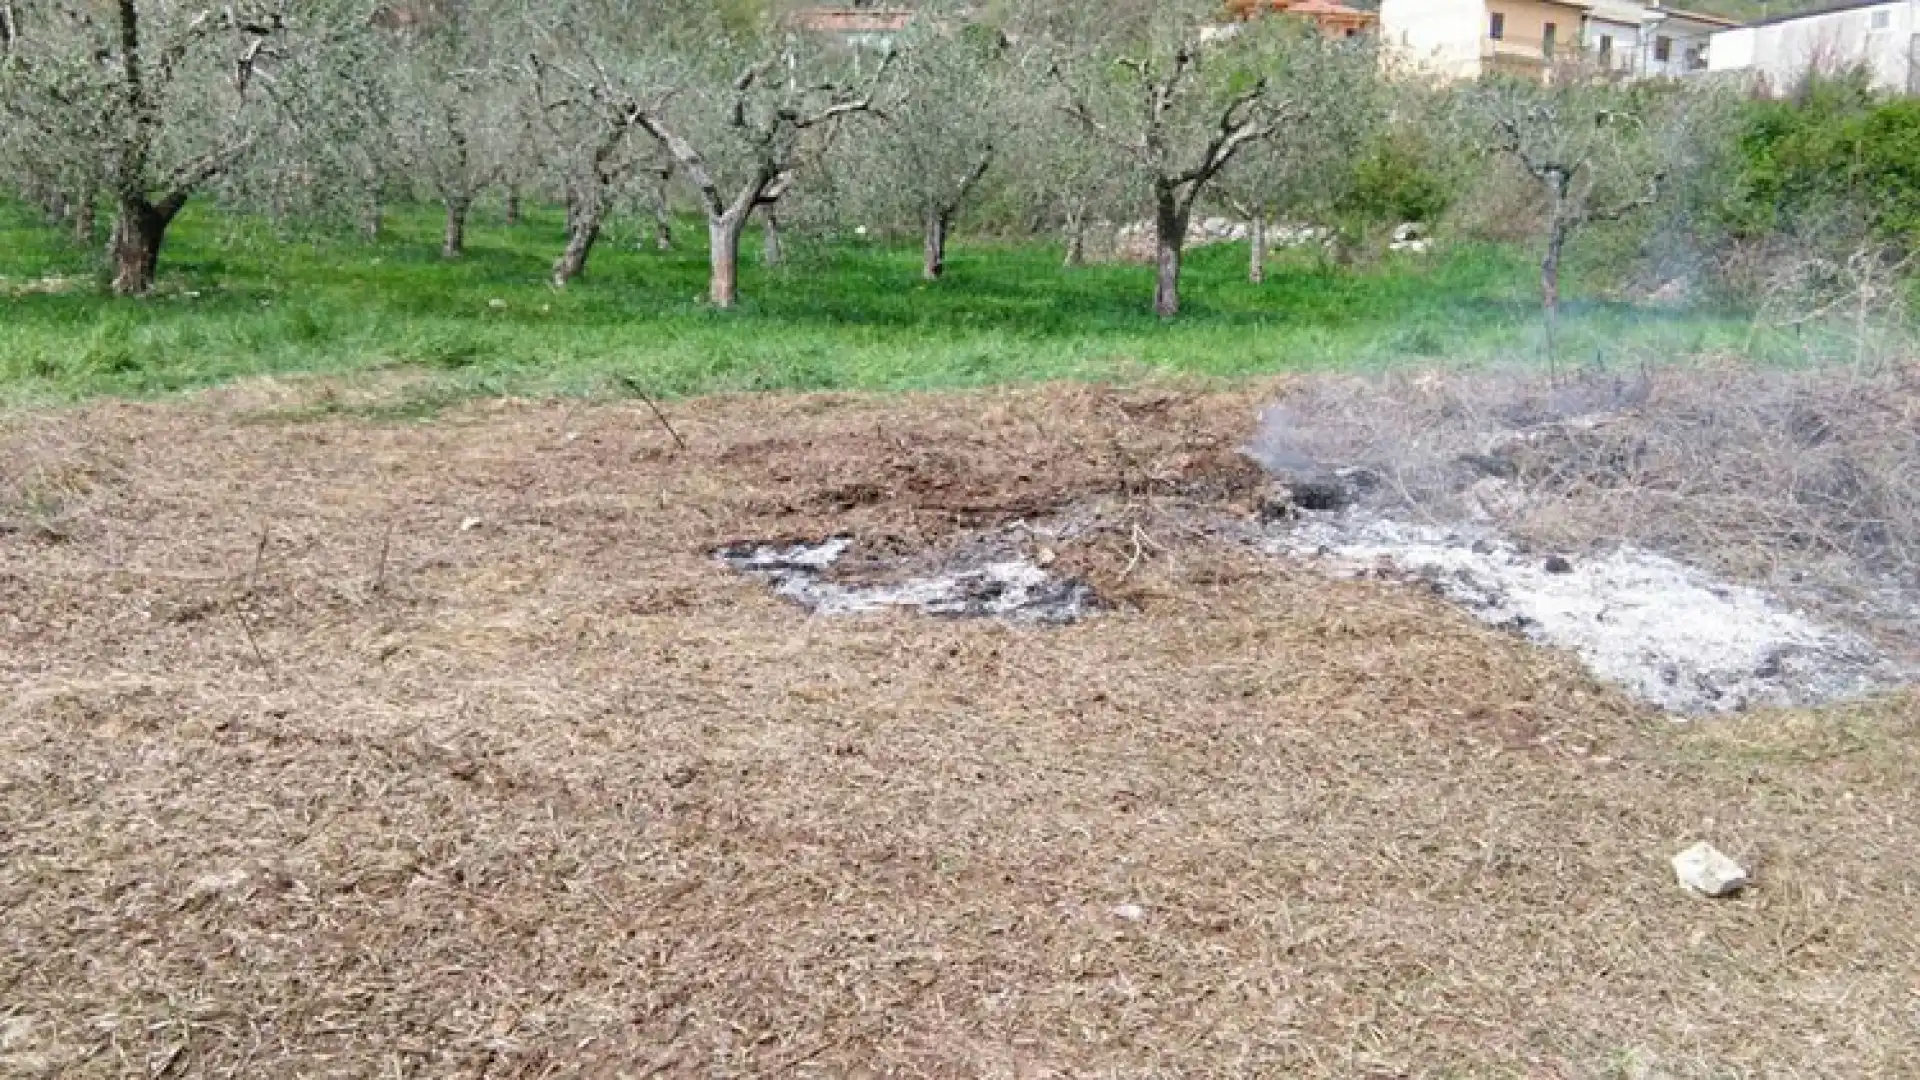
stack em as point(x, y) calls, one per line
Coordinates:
point(338, 746)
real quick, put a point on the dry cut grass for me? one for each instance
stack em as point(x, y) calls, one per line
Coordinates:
point(346, 749)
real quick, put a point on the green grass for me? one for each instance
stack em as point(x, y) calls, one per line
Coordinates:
point(237, 299)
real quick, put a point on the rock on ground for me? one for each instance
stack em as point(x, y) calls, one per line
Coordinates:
point(1705, 870)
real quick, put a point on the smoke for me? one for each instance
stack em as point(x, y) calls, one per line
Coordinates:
point(1806, 481)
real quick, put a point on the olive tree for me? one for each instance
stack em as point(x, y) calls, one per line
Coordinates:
point(1335, 91)
point(165, 96)
point(453, 110)
point(951, 115)
point(748, 112)
point(40, 153)
point(732, 101)
point(593, 73)
point(1179, 99)
point(1065, 177)
point(1597, 153)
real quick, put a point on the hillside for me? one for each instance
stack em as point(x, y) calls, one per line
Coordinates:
point(1753, 9)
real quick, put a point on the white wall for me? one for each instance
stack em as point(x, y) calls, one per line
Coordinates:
point(1439, 37)
point(1621, 20)
point(1626, 41)
point(1784, 52)
point(1733, 49)
point(1687, 37)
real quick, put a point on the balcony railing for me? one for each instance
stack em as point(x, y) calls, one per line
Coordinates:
point(1630, 63)
point(1528, 51)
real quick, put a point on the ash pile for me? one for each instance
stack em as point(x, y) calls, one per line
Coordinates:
point(1493, 496)
point(992, 578)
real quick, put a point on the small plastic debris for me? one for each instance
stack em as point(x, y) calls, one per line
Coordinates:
point(1129, 912)
point(1703, 869)
point(469, 524)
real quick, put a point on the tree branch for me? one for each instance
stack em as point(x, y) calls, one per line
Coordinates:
point(1513, 144)
point(9, 28)
point(1235, 131)
point(1639, 202)
point(1077, 108)
point(190, 175)
point(774, 190)
point(176, 49)
point(975, 174)
point(688, 158)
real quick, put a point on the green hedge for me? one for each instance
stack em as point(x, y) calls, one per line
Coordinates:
point(1832, 149)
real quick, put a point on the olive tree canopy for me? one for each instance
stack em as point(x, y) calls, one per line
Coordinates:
point(1177, 95)
point(157, 98)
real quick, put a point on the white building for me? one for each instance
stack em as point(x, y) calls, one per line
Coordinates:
point(1677, 43)
point(1880, 35)
point(1434, 37)
point(1463, 39)
point(1616, 34)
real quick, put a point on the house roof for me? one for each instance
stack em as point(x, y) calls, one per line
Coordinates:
point(1322, 10)
point(1320, 7)
point(847, 20)
point(1700, 16)
point(1824, 9)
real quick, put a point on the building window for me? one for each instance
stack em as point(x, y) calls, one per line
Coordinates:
point(1663, 49)
point(1547, 34)
point(1606, 50)
point(1497, 29)
point(1882, 20)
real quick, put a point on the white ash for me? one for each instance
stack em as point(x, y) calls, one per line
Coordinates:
point(1012, 588)
point(1666, 633)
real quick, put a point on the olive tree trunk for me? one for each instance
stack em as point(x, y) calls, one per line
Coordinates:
point(1169, 240)
point(933, 261)
point(84, 216)
point(1257, 257)
point(662, 211)
point(453, 243)
point(138, 234)
point(771, 251)
point(584, 217)
point(723, 255)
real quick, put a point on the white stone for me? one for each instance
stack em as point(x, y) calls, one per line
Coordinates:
point(497, 304)
point(1130, 912)
point(1703, 869)
point(469, 524)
